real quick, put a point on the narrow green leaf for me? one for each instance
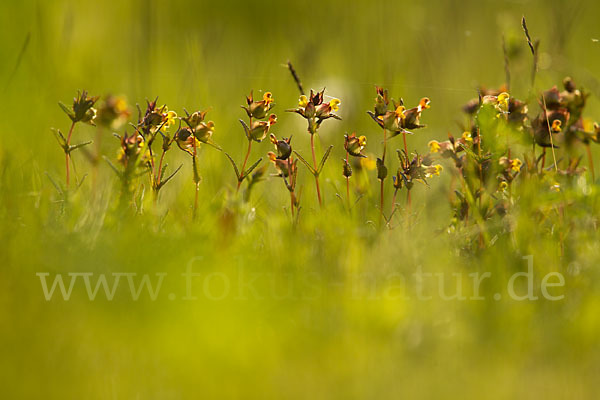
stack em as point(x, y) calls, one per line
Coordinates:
point(235, 168)
point(67, 110)
point(77, 146)
point(59, 138)
point(310, 168)
point(164, 181)
point(324, 159)
point(249, 170)
point(113, 167)
point(246, 129)
point(58, 188)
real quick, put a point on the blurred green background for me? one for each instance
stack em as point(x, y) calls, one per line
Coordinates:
point(316, 312)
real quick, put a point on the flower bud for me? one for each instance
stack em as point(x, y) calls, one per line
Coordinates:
point(347, 169)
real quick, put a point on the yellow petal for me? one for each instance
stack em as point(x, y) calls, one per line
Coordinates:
point(434, 146)
point(303, 101)
point(268, 97)
point(334, 104)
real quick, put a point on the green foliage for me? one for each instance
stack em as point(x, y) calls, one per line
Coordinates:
point(324, 304)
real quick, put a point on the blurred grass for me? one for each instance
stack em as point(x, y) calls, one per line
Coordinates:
point(344, 329)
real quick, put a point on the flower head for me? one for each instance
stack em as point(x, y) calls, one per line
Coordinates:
point(258, 130)
point(511, 165)
point(424, 103)
point(334, 104)
point(258, 109)
point(503, 99)
point(283, 147)
point(433, 170)
point(382, 101)
point(82, 109)
point(186, 140)
point(556, 126)
point(285, 168)
point(434, 146)
point(315, 110)
point(303, 102)
point(201, 129)
point(515, 165)
point(131, 148)
point(467, 137)
point(354, 145)
point(113, 112)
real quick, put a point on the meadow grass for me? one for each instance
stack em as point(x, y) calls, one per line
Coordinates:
point(328, 304)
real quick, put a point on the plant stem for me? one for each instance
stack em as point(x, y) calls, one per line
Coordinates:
point(381, 180)
point(480, 183)
point(543, 159)
point(408, 200)
point(347, 185)
point(290, 186)
point(312, 147)
point(196, 201)
point(591, 160)
point(196, 182)
point(67, 153)
point(292, 203)
point(244, 163)
point(160, 163)
point(550, 133)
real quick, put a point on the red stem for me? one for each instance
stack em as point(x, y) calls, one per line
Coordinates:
point(591, 160)
point(160, 163)
point(382, 162)
point(347, 185)
point(289, 167)
point(312, 146)
point(244, 163)
point(67, 154)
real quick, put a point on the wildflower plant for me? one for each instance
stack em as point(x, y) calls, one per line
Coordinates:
point(494, 159)
point(113, 113)
point(287, 169)
point(315, 110)
point(354, 145)
point(82, 111)
point(394, 121)
point(256, 130)
point(189, 139)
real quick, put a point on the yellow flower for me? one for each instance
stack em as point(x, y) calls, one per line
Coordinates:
point(434, 146)
point(368, 163)
point(303, 101)
point(268, 98)
point(503, 186)
point(170, 118)
point(556, 126)
point(467, 137)
point(362, 141)
point(516, 164)
point(335, 104)
point(503, 100)
point(433, 170)
point(120, 105)
point(424, 104)
point(400, 112)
